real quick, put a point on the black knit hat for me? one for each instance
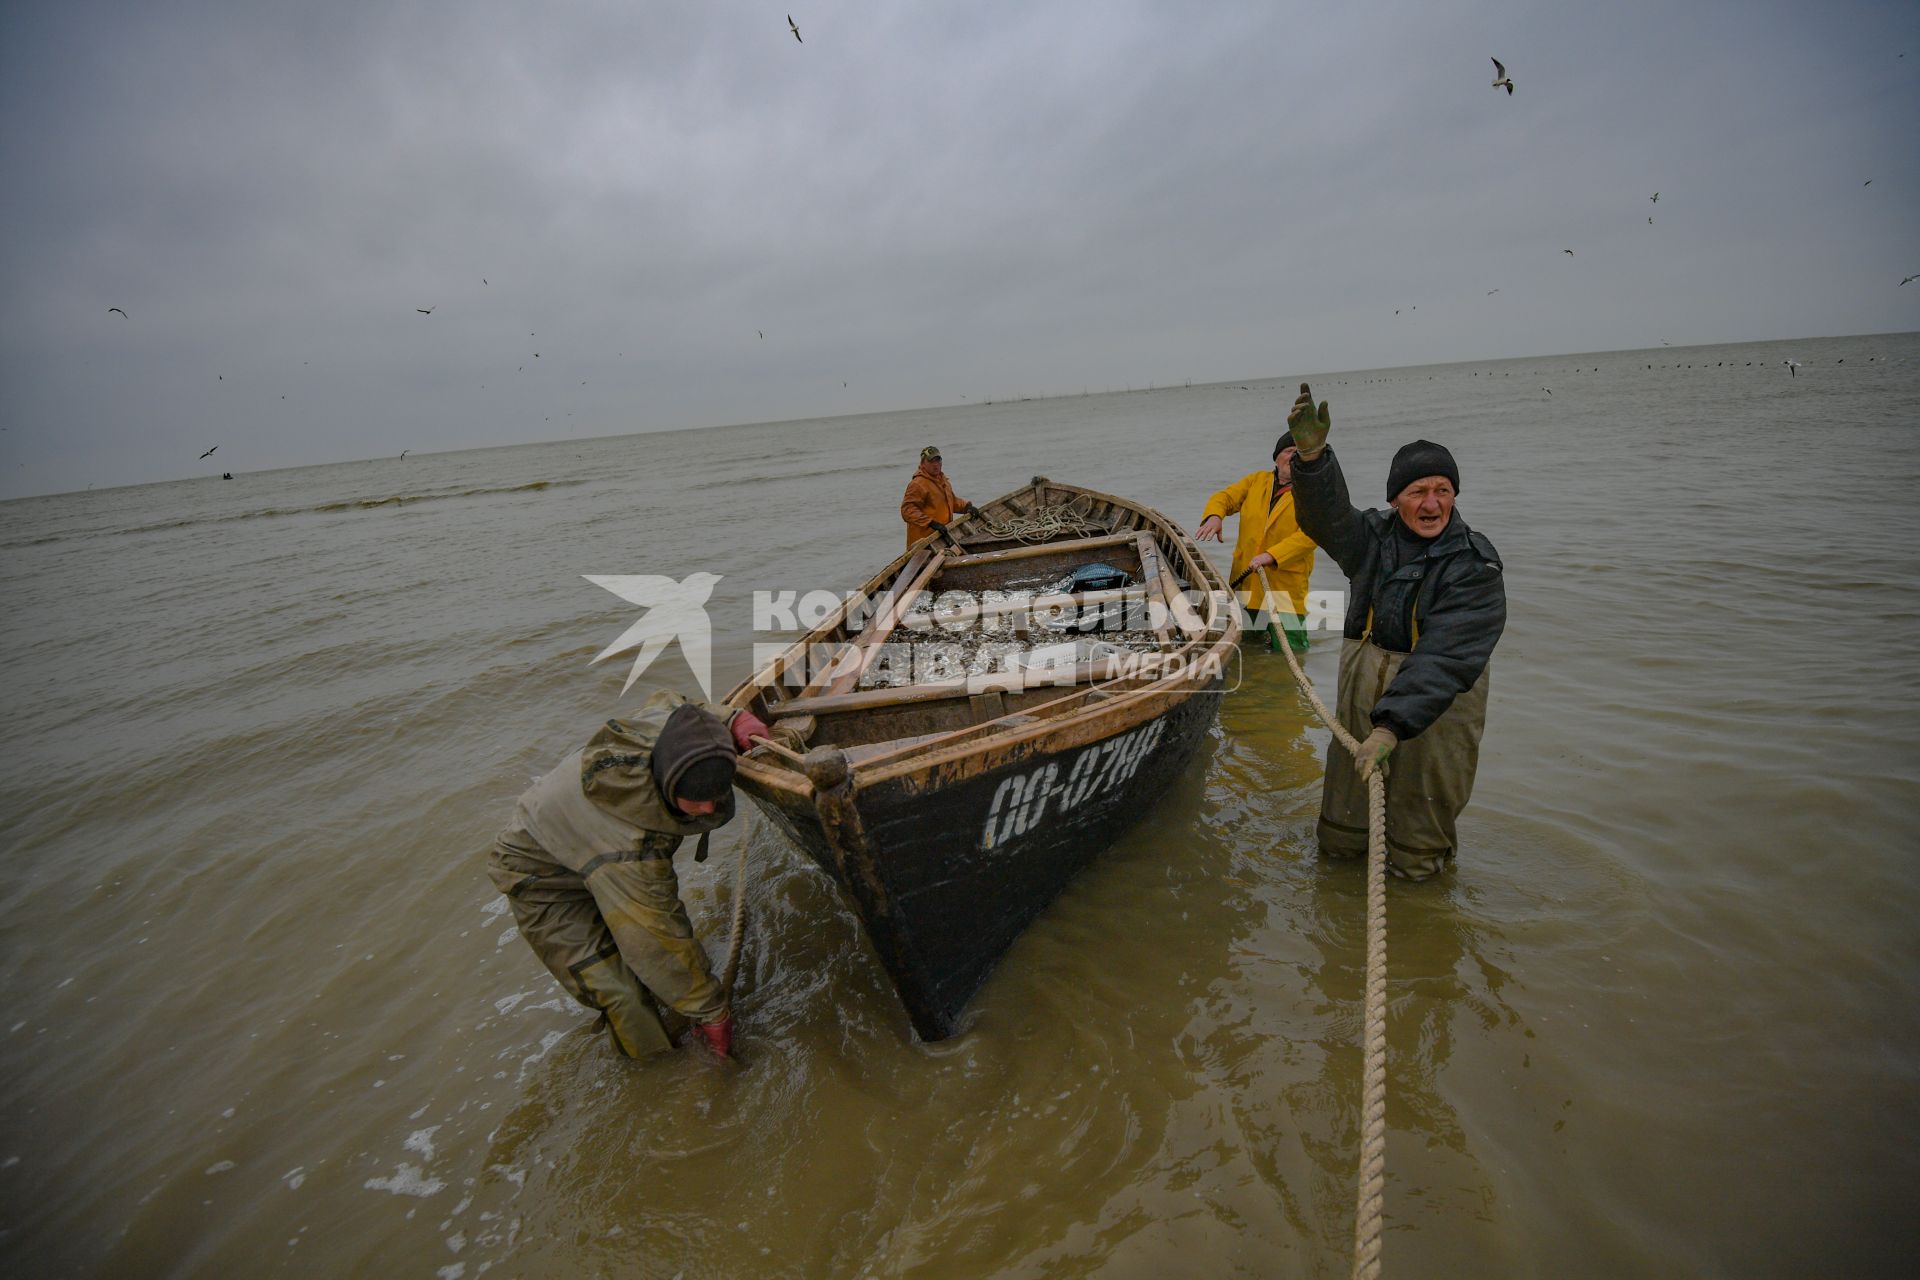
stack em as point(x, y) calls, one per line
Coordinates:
point(1284, 442)
point(1417, 461)
point(693, 758)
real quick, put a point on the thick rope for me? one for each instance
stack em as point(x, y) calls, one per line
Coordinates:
point(738, 941)
point(1043, 525)
point(1370, 1206)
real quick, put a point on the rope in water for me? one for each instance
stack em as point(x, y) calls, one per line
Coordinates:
point(1370, 1206)
point(1043, 525)
point(738, 941)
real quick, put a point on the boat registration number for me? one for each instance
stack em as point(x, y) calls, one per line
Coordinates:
point(1023, 801)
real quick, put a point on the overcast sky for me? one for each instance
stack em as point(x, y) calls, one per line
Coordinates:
point(927, 202)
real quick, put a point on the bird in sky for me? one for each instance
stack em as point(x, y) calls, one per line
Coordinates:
point(1548, 390)
point(111, 310)
point(1793, 367)
point(762, 335)
point(426, 311)
point(1910, 279)
point(1500, 77)
point(1568, 252)
point(1649, 221)
point(405, 452)
point(794, 29)
point(209, 453)
point(1665, 343)
point(483, 280)
point(1655, 197)
point(1867, 183)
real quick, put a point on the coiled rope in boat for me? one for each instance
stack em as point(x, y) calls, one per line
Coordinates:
point(1045, 524)
point(1370, 1206)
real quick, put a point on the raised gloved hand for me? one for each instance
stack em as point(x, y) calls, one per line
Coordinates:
point(1374, 751)
point(745, 727)
point(717, 1034)
point(1308, 425)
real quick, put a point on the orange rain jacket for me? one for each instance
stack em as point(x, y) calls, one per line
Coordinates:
point(929, 501)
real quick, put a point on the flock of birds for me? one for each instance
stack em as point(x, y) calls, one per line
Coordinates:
point(1501, 80)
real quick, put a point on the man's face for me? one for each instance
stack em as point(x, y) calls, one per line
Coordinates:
point(1283, 463)
point(1426, 505)
point(695, 808)
point(933, 465)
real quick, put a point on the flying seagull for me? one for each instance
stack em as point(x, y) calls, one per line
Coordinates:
point(794, 29)
point(1500, 77)
point(1793, 367)
point(483, 280)
point(1910, 279)
point(1867, 183)
point(1655, 197)
point(426, 311)
point(405, 452)
point(209, 453)
point(1568, 252)
point(111, 310)
point(1491, 292)
point(1649, 221)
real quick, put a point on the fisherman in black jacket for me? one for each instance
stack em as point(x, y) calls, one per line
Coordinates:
point(1427, 606)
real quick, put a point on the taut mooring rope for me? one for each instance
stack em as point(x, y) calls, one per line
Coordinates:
point(1370, 1205)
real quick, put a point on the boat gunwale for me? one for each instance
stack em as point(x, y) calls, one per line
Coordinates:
point(1122, 705)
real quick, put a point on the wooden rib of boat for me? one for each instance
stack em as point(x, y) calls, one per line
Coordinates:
point(952, 811)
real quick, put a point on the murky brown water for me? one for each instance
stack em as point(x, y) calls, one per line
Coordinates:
point(264, 1016)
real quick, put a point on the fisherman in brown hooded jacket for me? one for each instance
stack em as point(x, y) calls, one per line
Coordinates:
point(587, 866)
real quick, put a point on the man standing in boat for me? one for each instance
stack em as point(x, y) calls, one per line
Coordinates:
point(587, 866)
point(1269, 538)
point(930, 503)
point(1427, 606)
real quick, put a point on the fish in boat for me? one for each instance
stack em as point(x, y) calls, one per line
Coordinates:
point(971, 742)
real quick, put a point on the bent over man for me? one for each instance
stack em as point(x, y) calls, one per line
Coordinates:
point(1269, 538)
point(929, 502)
point(1426, 608)
point(587, 866)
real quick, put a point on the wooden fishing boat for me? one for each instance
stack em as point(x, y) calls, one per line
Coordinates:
point(952, 803)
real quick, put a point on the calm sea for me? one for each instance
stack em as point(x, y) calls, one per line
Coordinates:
point(263, 1014)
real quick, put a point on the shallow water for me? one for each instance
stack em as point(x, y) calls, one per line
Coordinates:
point(264, 1014)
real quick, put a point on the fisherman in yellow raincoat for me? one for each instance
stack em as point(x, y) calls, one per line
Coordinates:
point(1269, 539)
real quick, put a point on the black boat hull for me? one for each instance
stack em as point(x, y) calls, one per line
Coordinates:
point(945, 875)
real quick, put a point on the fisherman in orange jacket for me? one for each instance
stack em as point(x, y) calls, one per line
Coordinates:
point(930, 502)
point(1269, 538)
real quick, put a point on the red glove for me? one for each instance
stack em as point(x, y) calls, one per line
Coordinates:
point(718, 1034)
point(746, 727)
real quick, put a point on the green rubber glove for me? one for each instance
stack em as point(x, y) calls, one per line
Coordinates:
point(1378, 746)
point(1309, 426)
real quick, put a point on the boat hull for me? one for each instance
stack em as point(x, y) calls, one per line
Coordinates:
point(947, 868)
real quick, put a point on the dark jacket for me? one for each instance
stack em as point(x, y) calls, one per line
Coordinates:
point(1441, 601)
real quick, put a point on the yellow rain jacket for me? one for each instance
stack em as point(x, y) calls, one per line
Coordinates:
point(1278, 535)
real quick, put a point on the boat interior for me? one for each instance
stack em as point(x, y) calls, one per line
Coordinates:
point(1021, 612)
